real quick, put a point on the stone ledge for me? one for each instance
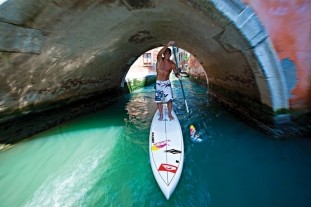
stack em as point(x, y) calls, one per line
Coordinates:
point(26, 125)
point(230, 8)
point(21, 12)
point(276, 126)
point(250, 26)
point(244, 18)
point(272, 72)
point(19, 39)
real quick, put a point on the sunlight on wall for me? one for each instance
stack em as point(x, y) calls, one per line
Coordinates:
point(144, 65)
point(2, 1)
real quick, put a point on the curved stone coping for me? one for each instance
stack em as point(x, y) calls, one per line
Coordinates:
point(245, 19)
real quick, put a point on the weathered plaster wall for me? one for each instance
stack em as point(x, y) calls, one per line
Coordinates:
point(86, 48)
point(288, 24)
point(196, 71)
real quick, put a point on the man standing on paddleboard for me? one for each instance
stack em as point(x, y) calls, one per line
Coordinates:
point(163, 87)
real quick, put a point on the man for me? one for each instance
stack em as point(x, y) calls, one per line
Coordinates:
point(163, 84)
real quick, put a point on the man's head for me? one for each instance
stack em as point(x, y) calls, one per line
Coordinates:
point(167, 53)
point(168, 50)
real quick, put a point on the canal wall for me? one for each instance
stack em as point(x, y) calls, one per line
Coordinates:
point(288, 24)
point(133, 84)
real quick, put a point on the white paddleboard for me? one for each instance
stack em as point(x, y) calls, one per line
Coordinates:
point(166, 150)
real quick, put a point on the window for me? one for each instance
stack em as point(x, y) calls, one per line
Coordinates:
point(147, 59)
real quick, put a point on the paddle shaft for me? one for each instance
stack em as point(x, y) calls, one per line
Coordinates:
point(182, 88)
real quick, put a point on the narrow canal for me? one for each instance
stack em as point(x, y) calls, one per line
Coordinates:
point(102, 159)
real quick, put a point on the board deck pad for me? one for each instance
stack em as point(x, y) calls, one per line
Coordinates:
point(166, 149)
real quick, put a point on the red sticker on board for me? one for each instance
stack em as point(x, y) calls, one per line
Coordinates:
point(168, 168)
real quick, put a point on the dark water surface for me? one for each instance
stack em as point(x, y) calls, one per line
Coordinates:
point(102, 160)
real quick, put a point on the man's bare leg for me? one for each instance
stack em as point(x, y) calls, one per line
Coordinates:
point(160, 107)
point(169, 107)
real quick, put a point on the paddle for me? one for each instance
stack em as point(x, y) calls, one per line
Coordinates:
point(182, 88)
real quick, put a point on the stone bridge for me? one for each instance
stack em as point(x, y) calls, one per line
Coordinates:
point(55, 55)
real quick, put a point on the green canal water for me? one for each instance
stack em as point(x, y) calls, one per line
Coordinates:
point(102, 160)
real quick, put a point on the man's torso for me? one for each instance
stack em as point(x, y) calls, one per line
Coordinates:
point(164, 68)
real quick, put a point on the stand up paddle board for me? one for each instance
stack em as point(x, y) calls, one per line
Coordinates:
point(166, 150)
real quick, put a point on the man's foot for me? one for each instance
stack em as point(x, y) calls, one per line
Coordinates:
point(161, 117)
point(171, 117)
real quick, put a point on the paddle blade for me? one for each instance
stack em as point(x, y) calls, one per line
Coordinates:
point(186, 106)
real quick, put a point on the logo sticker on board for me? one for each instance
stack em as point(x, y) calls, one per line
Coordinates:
point(173, 151)
point(159, 145)
point(168, 168)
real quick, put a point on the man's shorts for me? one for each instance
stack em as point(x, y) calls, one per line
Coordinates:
point(163, 91)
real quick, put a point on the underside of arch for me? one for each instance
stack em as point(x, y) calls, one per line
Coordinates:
point(58, 52)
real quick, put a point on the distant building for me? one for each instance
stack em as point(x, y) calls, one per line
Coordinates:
point(144, 65)
point(183, 59)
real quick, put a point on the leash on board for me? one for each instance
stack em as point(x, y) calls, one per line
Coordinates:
point(182, 88)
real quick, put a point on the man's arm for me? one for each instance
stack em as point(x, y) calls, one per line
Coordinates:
point(161, 52)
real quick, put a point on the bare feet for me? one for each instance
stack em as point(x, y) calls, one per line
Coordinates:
point(171, 117)
point(161, 117)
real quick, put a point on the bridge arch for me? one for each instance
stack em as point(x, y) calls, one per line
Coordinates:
point(57, 52)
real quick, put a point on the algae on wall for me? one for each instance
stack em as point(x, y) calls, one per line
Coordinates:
point(136, 83)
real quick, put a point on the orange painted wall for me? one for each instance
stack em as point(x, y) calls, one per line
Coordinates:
point(288, 23)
